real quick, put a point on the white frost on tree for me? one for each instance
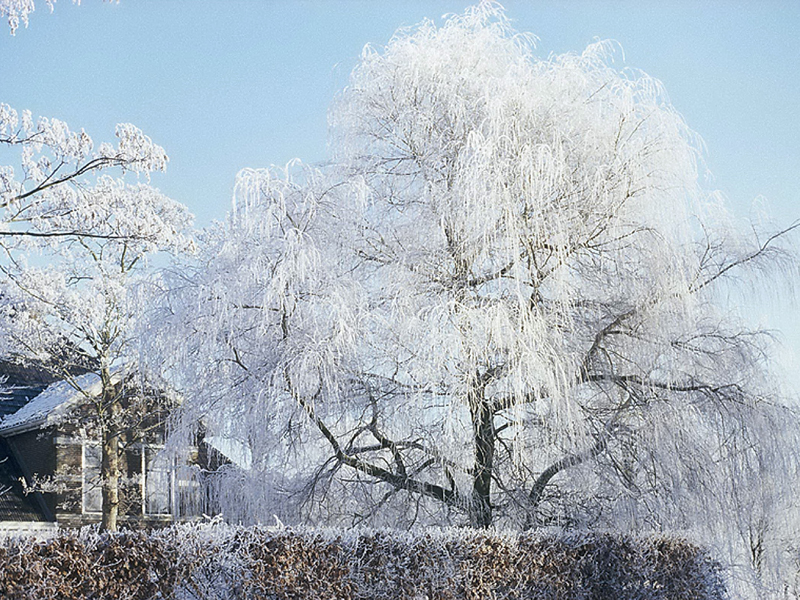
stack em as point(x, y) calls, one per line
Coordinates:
point(17, 12)
point(501, 303)
point(75, 243)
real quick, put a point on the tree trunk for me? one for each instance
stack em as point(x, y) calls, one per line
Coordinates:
point(480, 510)
point(110, 460)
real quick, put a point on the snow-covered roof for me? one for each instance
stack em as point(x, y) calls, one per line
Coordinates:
point(14, 397)
point(49, 407)
point(236, 451)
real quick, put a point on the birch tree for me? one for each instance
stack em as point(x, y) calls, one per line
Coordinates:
point(503, 302)
point(74, 243)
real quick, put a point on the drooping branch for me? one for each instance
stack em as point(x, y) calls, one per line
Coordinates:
point(741, 261)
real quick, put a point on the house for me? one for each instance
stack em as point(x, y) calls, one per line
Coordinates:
point(50, 454)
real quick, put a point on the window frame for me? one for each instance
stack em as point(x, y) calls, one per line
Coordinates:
point(85, 484)
point(170, 473)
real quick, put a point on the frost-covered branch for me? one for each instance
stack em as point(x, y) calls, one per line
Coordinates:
point(17, 12)
point(399, 480)
point(538, 487)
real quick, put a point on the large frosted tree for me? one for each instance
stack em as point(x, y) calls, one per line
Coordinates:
point(74, 244)
point(503, 301)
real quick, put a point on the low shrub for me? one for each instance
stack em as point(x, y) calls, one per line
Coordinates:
point(216, 562)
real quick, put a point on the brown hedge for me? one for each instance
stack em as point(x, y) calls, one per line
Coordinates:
point(214, 562)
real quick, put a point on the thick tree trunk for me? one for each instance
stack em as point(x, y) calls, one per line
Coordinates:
point(110, 470)
point(480, 510)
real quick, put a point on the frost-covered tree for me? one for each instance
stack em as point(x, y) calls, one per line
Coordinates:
point(17, 12)
point(504, 301)
point(74, 244)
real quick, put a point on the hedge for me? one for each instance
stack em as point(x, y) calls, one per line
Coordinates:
point(215, 561)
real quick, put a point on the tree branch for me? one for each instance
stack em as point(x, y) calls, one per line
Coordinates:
point(535, 495)
point(396, 480)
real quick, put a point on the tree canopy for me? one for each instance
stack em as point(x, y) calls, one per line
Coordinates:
point(502, 302)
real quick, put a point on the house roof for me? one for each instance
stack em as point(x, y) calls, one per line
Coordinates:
point(14, 397)
point(238, 452)
point(20, 383)
point(23, 380)
point(50, 406)
point(16, 372)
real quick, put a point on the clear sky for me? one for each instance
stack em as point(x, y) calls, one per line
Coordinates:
point(229, 84)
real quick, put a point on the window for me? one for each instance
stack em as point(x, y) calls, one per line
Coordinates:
point(92, 488)
point(157, 483)
point(158, 476)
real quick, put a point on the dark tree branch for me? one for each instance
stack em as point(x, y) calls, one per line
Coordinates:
point(97, 163)
point(535, 495)
point(73, 234)
point(396, 480)
point(747, 258)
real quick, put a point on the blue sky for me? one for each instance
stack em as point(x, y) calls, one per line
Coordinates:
point(230, 84)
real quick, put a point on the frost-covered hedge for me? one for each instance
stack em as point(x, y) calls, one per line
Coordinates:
point(215, 562)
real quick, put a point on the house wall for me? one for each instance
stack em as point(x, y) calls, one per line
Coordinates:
point(69, 470)
point(69, 512)
point(57, 454)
